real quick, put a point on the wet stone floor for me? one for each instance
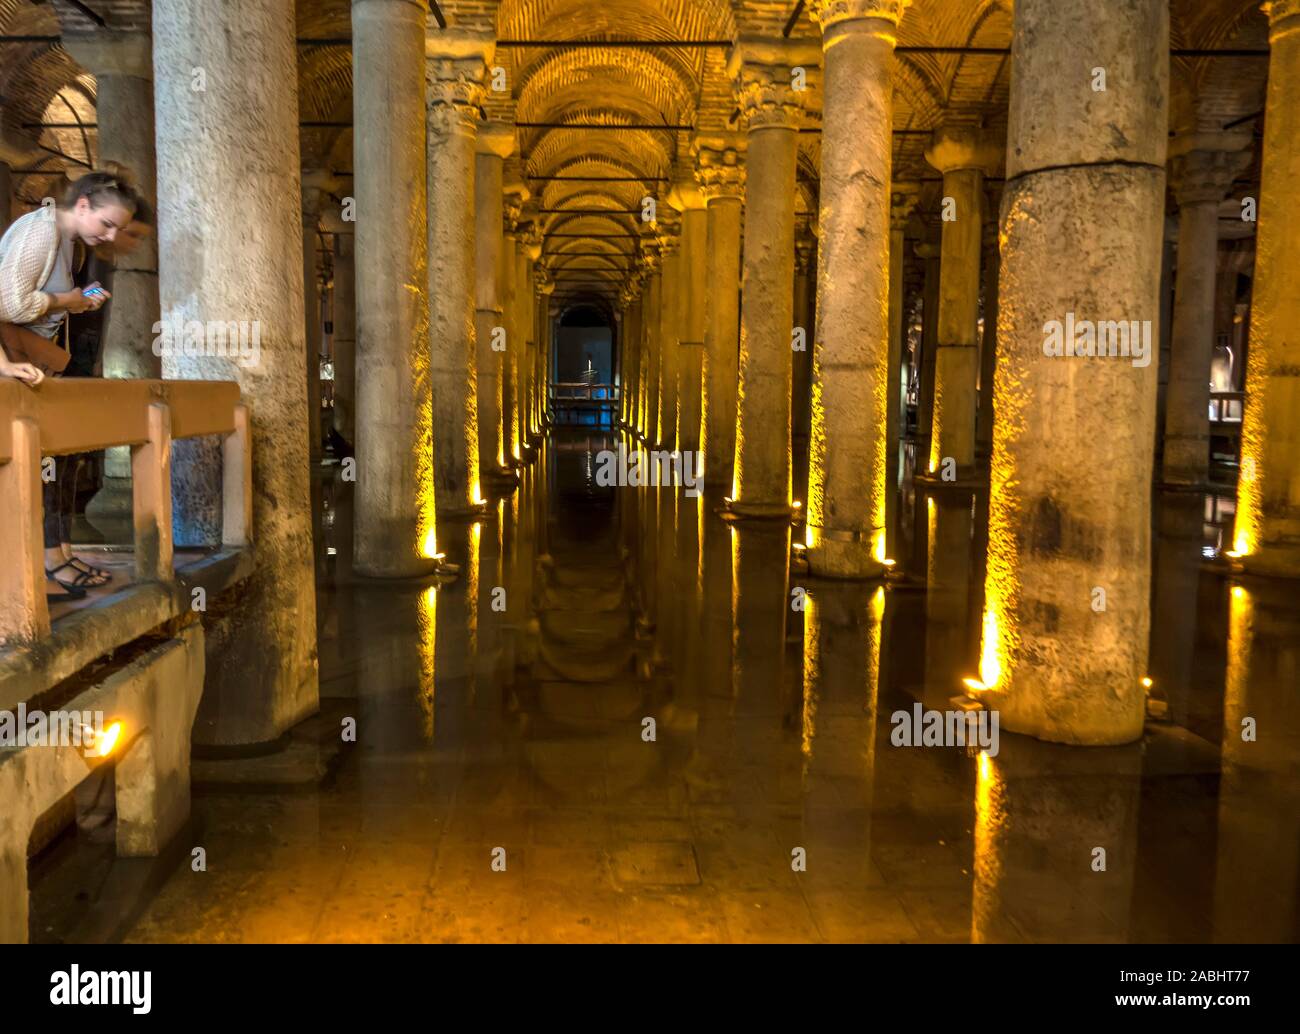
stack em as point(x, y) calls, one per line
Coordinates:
point(614, 726)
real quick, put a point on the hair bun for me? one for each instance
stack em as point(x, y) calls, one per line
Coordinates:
point(124, 176)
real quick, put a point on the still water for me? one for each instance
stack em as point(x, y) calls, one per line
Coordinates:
point(615, 725)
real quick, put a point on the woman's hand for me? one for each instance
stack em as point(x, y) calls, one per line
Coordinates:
point(73, 301)
point(25, 372)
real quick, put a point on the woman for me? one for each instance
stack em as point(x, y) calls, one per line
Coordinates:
point(39, 255)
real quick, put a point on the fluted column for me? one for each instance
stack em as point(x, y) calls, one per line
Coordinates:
point(763, 74)
point(847, 471)
point(963, 156)
point(455, 65)
point(1065, 630)
point(261, 655)
point(1201, 170)
point(721, 173)
point(692, 284)
point(123, 68)
point(1268, 491)
point(495, 141)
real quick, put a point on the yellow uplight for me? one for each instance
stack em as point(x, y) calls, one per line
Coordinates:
point(108, 740)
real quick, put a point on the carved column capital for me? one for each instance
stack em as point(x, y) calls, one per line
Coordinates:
point(455, 65)
point(775, 81)
point(836, 12)
point(904, 195)
point(719, 166)
point(1203, 166)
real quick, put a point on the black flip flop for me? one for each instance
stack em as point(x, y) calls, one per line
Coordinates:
point(90, 571)
point(77, 585)
point(72, 593)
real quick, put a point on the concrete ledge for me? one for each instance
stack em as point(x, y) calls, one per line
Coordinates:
point(92, 632)
point(155, 696)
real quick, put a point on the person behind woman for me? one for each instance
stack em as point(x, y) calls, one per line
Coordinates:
point(39, 254)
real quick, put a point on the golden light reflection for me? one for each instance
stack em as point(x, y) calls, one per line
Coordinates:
point(106, 741)
point(427, 622)
point(990, 825)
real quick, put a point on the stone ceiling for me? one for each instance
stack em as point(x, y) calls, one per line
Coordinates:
point(671, 85)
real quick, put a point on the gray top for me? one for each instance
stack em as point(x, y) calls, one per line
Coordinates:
point(60, 280)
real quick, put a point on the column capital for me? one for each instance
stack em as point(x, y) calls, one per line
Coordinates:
point(953, 148)
point(904, 195)
point(719, 165)
point(113, 53)
point(1202, 166)
point(836, 12)
point(495, 138)
point(764, 74)
point(455, 64)
point(686, 194)
point(317, 186)
point(532, 241)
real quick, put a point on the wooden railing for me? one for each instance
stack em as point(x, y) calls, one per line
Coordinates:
point(572, 391)
point(84, 415)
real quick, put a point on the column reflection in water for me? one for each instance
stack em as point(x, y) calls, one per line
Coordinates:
point(843, 625)
point(1042, 811)
point(761, 705)
point(1180, 524)
point(952, 575)
point(1256, 897)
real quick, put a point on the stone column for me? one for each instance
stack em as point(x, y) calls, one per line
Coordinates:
point(989, 345)
point(903, 201)
point(345, 330)
point(317, 186)
point(1067, 613)
point(763, 71)
point(394, 508)
point(495, 141)
point(261, 652)
point(1268, 491)
point(848, 459)
point(455, 65)
point(689, 200)
point(509, 283)
point(629, 348)
point(721, 174)
point(927, 250)
point(805, 317)
point(530, 250)
point(122, 65)
point(649, 376)
point(1201, 170)
point(545, 288)
point(963, 156)
point(670, 240)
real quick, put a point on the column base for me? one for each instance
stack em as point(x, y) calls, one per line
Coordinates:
point(1270, 562)
point(416, 571)
point(501, 481)
point(967, 480)
point(741, 509)
point(850, 560)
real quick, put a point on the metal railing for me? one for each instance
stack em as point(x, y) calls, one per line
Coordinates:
point(61, 417)
point(580, 402)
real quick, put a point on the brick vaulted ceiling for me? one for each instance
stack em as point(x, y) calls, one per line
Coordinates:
point(670, 85)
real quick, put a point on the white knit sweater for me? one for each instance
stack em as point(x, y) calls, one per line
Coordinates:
point(28, 252)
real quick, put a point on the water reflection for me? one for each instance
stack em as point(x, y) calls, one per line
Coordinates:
point(674, 738)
